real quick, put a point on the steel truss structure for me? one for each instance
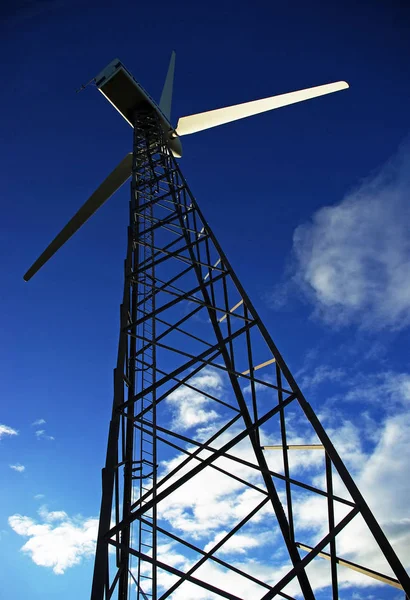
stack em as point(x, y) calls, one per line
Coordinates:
point(186, 321)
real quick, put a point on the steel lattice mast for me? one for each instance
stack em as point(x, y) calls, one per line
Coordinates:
point(184, 319)
point(168, 227)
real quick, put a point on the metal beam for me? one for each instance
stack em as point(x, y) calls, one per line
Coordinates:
point(355, 567)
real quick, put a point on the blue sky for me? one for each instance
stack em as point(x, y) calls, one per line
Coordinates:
point(310, 204)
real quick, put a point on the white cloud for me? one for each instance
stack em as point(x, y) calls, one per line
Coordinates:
point(38, 422)
point(206, 507)
point(381, 477)
point(348, 439)
point(215, 575)
point(321, 374)
point(49, 517)
point(221, 578)
point(41, 434)
point(353, 258)
point(191, 408)
point(6, 430)
point(211, 500)
point(18, 467)
point(388, 388)
point(387, 391)
point(58, 541)
point(239, 543)
point(39, 496)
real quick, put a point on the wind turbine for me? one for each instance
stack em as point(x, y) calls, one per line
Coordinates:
point(126, 95)
point(175, 272)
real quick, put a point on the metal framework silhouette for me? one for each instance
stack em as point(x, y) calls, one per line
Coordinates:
point(185, 315)
point(204, 402)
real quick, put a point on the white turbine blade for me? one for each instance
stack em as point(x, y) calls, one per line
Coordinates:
point(165, 102)
point(220, 116)
point(110, 185)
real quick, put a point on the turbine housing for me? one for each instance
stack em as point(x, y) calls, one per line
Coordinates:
point(126, 95)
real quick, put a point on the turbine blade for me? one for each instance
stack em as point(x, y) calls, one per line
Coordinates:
point(165, 102)
point(220, 116)
point(110, 185)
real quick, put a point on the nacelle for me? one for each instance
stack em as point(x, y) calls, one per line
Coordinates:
point(126, 95)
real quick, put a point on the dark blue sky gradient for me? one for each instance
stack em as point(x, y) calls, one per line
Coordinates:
point(256, 181)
